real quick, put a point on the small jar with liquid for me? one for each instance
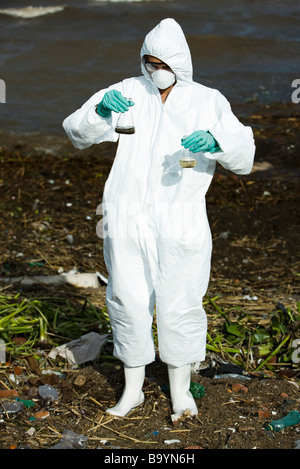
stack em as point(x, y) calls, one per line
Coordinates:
point(187, 160)
point(125, 123)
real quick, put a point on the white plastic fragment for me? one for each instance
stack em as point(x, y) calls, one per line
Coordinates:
point(250, 298)
point(31, 431)
point(80, 280)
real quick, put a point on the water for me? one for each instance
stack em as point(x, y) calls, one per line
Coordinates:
point(125, 130)
point(187, 162)
point(52, 59)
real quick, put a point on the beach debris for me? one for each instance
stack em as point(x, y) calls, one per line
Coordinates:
point(219, 369)
point(80, 380)
point(232, 376)
point(289, 420)
point(297, 444)
point(48, 392)
point(84, 349)
point(8, 393)
point(197, 390)
point(238, 387)
point(181, 416)
point(261, 166)
point(170, 442)
point(224, 235)
point(250, 298)
point(70, 239)
point(11, 407)
point(42, 414)
point(71, 440)
point(31, 431)
point(27, 402)
point(80, 280)
point(195, 367)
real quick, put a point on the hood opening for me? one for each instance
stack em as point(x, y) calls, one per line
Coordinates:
point(168, 43)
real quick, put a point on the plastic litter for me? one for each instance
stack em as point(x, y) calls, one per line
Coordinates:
point(71, 440)
point(170, 442)
point(48, 392)
point(224, 370)
point(248, 297)
point(232, 376)
point(79, 280)
point(292, 418)
point(81, 350)
point(297, 444)
point(11, 407)
point(27, 403)
point(31, 431)
point(197, 390)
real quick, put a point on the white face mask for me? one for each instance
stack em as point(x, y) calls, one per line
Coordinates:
point(163, 79)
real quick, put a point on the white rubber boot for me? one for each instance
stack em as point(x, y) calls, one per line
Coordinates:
point(181, 397)
point(132, 395)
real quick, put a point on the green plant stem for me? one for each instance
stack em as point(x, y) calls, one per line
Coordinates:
point(273, 353)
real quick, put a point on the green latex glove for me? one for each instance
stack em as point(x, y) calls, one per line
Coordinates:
point(113, 101)
point(200, 141)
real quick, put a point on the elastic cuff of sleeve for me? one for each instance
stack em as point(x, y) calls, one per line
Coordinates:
point(215, 149)
point(101, 111)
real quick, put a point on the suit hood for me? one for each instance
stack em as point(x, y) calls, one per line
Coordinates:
point(168, 43)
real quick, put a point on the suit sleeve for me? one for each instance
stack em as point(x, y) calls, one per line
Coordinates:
point(235, 140)
point(85, 127)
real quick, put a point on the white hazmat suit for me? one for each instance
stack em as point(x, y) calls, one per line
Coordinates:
point(157, 240)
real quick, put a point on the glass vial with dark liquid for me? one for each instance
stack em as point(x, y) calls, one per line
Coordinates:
point(187, 160)
point(125, 123)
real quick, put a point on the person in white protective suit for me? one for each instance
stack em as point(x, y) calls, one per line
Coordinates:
point(156, 236)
